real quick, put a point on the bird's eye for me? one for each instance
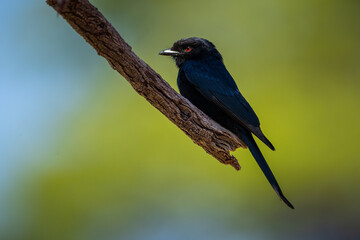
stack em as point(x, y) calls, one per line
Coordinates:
point(188, 49)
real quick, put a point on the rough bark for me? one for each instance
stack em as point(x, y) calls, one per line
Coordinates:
point(102, 36)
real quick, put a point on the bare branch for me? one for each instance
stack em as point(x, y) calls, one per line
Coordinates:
point(102, 36)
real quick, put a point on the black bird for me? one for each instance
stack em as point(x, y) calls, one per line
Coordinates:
point(204, 80)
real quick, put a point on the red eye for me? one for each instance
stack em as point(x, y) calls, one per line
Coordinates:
point(188, 49)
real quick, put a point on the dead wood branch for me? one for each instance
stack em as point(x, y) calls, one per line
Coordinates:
point(102, 36)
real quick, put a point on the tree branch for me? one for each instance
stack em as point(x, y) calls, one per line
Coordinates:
point(102, 36)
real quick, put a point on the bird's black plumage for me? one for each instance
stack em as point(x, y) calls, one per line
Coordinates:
point(205, 81)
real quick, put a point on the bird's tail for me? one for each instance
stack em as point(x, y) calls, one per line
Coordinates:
point(255, 151)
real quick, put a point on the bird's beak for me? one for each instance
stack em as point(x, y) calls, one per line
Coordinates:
point(169, 52)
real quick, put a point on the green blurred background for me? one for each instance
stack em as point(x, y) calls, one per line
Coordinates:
point(82, 156)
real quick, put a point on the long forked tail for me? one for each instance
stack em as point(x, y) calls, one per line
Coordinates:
point(257, 132)
point(255, 151)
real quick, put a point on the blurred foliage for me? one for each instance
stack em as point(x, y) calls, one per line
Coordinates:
point(121, 170)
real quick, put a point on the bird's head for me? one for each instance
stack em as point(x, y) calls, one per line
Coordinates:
point(190, 48)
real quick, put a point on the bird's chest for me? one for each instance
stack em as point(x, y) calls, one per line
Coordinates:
point(186, 89)
point(189, 91)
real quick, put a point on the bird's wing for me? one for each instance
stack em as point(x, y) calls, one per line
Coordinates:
point(215, 83)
